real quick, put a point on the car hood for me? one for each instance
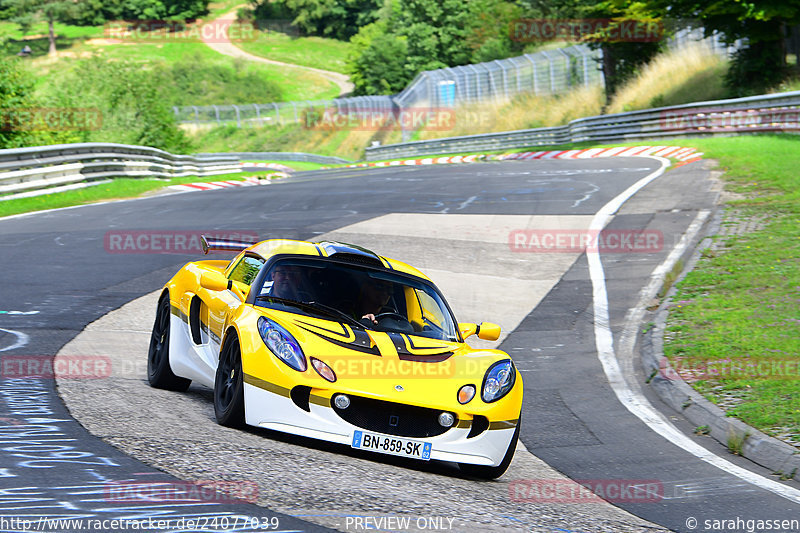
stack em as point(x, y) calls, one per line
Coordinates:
point(360, 357)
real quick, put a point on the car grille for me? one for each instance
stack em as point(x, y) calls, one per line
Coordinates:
point(392, 418)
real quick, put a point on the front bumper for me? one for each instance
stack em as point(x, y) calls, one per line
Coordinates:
point(272, 407)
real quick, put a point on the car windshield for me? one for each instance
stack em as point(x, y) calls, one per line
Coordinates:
point(360, 296)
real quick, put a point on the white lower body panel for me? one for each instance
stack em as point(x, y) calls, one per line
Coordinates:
point(277, 412)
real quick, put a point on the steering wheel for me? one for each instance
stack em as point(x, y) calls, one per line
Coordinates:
point(390, 314)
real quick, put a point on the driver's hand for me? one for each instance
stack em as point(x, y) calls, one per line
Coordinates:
point(370, 317)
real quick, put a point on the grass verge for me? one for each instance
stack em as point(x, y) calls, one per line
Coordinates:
point(316, 52)
point(118, 188)
point(734, 329)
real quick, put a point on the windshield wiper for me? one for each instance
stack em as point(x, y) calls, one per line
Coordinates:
point(315, 306)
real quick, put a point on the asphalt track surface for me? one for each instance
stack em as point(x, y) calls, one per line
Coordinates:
point(55, 263)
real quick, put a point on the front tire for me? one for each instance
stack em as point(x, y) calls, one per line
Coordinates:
point(494, 472)
point(159, 373)
point(229, 384)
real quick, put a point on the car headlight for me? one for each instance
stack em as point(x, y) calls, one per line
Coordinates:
point(499, 379)
point(281, 343)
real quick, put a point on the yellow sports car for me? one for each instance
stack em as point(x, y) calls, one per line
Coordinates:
point(334, 342)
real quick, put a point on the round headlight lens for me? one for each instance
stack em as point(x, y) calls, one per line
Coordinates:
point(498, 381)
point(281, 343)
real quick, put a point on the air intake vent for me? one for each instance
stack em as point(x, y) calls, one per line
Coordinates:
point(479, 425)
point(351, 253)
point(359, 259)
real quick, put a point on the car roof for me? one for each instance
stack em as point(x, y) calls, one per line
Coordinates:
point(332, 249)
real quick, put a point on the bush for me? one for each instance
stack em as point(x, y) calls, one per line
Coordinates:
point(131, 101)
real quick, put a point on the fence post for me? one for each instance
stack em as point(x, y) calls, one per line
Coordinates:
point(216, 112)
point(238, 120)
point(258, 115)
point(505, 78)
point(535, 78)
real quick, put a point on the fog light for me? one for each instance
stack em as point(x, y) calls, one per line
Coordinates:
point(342, 401)
point(446, 419)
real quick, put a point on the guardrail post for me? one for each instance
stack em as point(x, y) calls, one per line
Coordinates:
point(258, 115)
point(216, 112)
point(277, 115)
point(196, 116)
point(238, 119)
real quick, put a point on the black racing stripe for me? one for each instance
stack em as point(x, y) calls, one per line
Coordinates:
point(344, 333)
point(415, 347)
point(399, 341)
point(362, 342)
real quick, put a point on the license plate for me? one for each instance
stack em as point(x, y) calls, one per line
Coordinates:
point(392, 445)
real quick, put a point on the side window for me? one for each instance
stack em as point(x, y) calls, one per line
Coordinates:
point(431, 312)
point(246, 270)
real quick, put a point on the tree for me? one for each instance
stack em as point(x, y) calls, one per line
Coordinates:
point(761, 64)
point(488, 31)
point(340, 19)
point(621, 59)
point(417, 35)
point(16, 88)
point(26, 13)
point(377, 63)
point(132, 102)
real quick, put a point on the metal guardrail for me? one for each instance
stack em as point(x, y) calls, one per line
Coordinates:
point(27, 169)
point(280, 156)
point(757, 114)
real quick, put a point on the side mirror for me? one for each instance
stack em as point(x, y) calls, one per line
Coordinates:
point(213, 281)
point(467, 329)
point(216, 281)
point(485, 330)
point(488, 331)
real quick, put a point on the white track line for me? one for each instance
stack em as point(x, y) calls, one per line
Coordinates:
point(637, 404)
point(22, 340)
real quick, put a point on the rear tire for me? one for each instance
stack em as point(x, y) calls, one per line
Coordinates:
point(229, 385)
point(494, 472)
point(159, 373)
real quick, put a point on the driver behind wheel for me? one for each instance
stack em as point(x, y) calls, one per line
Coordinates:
point(373, 300)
